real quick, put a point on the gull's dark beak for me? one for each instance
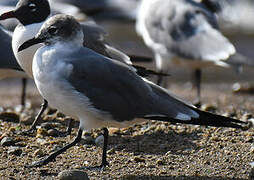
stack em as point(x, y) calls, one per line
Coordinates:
point(7, 15)
point(30, 43)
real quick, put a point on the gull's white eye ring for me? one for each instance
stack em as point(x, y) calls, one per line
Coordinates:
point(53, 30)
point(32, 7)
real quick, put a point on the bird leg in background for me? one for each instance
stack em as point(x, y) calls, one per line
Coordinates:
point(23, 93)
point(162, 79)
point(44, 105)
point(53, 155)
point(38, 117)
point(197, 84)
point(68, 130)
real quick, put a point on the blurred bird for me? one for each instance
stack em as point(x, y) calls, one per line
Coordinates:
point(123, 10)
point(100, 91)
point(32, 14)
point(182, 32)
point(234, 20)
point(9, 68)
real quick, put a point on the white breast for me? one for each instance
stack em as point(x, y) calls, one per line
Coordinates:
point(20, 35)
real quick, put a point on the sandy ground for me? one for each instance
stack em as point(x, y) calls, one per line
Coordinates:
point(152, 150)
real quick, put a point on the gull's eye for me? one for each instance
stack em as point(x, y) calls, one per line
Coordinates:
point(32, 7)
point(53, 30)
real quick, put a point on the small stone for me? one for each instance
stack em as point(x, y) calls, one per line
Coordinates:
point(243, 88)
point(15, 150)
point(52, 132)
point(252, 149)
point(208, 107)
point(73, 175)
point(27, 120)
point(246, 116)
point(59, 114)
point(139, 159)
point(9, 116)
point(111, 151)
point(50, 125)
point(51, 111)
point(251, 175)
point(249, 139)
point(38, 152)
point(41, 132)
point(160, 162)
point(215, 138)
point(8, 141)
point(112, 131)
point(87, 140)
point(99, 141)
point(12, 129)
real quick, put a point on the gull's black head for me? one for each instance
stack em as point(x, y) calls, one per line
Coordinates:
point(29, 11)
point(59, 28)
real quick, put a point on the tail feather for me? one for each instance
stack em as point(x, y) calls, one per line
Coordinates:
point(205, 118)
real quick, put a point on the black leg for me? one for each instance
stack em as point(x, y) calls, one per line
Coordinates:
point(160, 79)
point(37, 118)
point(68, 130)
point(104, 161)
point(197, 83)
point(52, 156)
point(23, 93)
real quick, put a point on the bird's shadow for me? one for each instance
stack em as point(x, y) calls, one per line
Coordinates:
point(158, 142)
point(133, 177)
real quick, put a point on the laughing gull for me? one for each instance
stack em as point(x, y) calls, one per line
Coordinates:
point(31, 15)
point(182, 32)
point(100, 91)
point(234, 19)
point(9, 68)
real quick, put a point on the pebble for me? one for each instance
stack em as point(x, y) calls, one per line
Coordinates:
point(59, 114)
point(41, 132)
point(112, 131)
point(251, 175)
point(73, 175)
point(9, 116)
point(160, 162)
point(99, 141)
point(252, 149)
point(7, 141)
point(52, 132)
point(27, 120)
point(15, 150)
point(87, 140)
point(243, 88)
point(208, 107)
point(38, 152)
point(50, 125)
point(139, 159)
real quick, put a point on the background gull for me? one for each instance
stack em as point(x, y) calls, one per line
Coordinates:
point(69, 76)
point(234, 19)
point(182, 32)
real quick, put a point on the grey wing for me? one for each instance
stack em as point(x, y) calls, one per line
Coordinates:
point(111, 86)
point(7, 59)
point(114, 88)
point(95, 40)
point(187, 29)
